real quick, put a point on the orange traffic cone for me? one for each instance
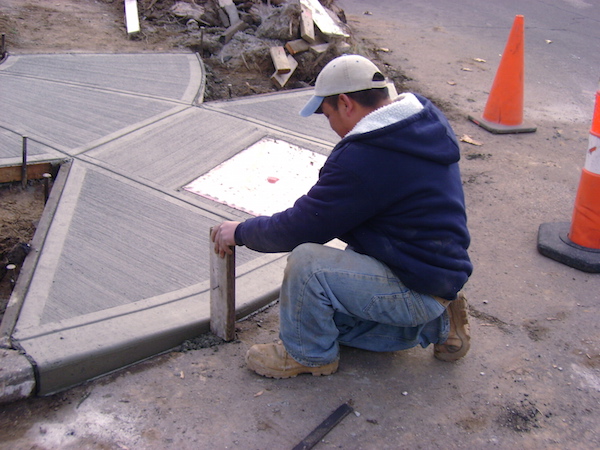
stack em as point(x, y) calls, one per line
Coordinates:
point(580, 247)
point(503, 111)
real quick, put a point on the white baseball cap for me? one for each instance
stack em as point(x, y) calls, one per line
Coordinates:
point(342, 75)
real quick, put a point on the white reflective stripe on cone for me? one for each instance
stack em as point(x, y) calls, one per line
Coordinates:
point(592, 157)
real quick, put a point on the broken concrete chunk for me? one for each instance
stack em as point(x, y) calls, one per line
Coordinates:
point(283, 24)
point(231, 10)
point(185, 10)
point(17, 380)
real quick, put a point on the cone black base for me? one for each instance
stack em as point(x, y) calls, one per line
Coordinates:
point(498, 128)
point(553, 242)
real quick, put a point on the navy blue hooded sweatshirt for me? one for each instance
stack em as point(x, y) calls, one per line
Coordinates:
point(394, 193)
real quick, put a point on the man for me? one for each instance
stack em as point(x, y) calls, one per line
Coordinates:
point(391, 189)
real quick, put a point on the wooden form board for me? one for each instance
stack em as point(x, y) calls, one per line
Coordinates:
point(10, 174)
point(222, 293)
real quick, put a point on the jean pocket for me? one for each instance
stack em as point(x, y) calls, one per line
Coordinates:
point(403, 309)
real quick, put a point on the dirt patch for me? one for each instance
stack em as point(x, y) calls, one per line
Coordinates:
point(20, 211)
point(521, 417)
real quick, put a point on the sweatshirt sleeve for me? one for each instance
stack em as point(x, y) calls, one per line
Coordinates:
point(337, 203)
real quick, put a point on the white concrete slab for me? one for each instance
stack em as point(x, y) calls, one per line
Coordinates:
point(267, 177)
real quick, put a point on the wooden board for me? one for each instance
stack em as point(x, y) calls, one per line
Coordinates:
point(230, 32)
point(11, 174)
point(280, 60)
point(297, 46)
point(307, 25)
point(318, 49)
point(282, 79)
point(132, 19)
point(222, 294)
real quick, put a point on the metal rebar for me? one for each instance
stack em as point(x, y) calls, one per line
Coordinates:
point(10, 269)
point(47, 177)
point(24, 165)
point(201, 42)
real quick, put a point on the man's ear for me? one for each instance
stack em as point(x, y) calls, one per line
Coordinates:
point(345, 104)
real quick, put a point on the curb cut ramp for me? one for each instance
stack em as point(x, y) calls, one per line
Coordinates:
point(119, 268)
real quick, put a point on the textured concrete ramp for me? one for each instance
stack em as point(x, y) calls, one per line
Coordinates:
point(121, 275)
point(72, 102)
point(118, 270)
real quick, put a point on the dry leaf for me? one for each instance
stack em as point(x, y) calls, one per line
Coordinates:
point(548, 41)
point(469, 140)
point(451, 83)
point(479, 60)
point(466, 69)
point(181, 375)
point(258, 394)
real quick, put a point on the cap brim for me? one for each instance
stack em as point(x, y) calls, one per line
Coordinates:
point(311, 106)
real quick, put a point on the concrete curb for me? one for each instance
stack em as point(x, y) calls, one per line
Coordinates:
point(17, 380)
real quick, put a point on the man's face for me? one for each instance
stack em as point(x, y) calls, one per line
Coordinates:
point(336, 119)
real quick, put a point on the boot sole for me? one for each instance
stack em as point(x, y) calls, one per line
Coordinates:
point(328, 369)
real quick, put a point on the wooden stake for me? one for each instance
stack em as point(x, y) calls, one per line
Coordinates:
point(222, 293)
point(132, 20)
point(24, 164)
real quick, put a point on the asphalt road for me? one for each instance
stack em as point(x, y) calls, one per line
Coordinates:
point(562, 74)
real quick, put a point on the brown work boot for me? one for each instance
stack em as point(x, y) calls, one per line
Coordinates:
point(459, 338)
point(273, 361)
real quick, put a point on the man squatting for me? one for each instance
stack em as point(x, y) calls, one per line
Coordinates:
point(391, 190)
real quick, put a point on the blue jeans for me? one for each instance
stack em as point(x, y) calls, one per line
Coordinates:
point(331, 297)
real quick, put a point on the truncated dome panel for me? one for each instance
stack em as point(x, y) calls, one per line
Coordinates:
point(263, 179)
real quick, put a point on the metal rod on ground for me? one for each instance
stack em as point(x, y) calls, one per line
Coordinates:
point(47, 177)
point(11, 274)
point(326, 426)
point(222, 293)
point(201, 42)
point(24, 165)
point(3, 51)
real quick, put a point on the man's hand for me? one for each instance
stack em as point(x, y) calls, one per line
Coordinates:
point(223, 235)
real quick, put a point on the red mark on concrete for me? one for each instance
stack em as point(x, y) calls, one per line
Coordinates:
point(272, 179)
point(592, 150)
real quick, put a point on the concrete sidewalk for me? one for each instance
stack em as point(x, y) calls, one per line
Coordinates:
point(118, 269)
